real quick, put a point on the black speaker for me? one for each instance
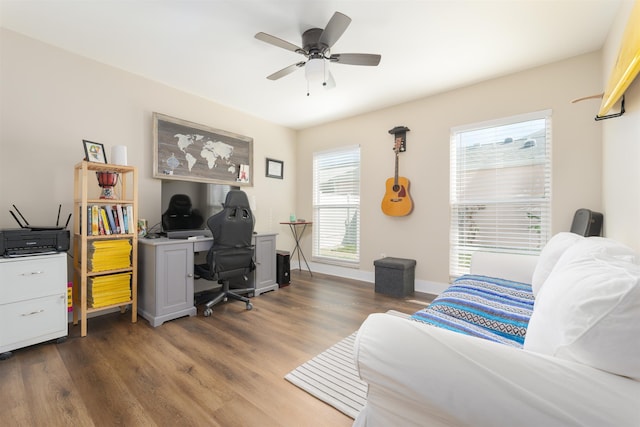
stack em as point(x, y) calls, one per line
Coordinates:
point(282, 267)
point(587, 223)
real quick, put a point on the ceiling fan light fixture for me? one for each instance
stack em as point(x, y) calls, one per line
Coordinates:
point(315, 70)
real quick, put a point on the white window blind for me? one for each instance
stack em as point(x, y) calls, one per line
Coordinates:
point(500, 195)
point(336, 206)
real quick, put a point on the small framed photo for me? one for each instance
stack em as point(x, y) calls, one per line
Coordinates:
point(94, 152)
point(275, 168)
point(243, 175)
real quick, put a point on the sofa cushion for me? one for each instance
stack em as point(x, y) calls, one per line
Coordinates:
point(550, 255)
point(589, 311)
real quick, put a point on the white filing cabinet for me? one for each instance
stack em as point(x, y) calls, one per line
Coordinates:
point(33, 300)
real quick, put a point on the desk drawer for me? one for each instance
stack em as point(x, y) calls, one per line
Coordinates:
point(32, 278)
point(202, 246)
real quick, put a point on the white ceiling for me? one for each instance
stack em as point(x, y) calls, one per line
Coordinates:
point(208, 47)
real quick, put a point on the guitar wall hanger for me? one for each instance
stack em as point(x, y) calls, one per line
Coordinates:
point(400, 132)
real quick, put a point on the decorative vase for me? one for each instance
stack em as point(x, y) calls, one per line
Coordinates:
point(107, 180)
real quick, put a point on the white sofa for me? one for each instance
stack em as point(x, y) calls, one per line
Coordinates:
point(579, 366)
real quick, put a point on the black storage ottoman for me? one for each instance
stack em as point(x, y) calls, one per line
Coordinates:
point(395, 276)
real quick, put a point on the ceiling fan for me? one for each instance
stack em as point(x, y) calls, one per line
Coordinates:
point(316, 47)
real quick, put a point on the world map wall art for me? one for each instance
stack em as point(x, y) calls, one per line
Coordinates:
point(188, 151)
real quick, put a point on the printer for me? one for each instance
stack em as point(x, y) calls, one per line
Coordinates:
point(31, 241)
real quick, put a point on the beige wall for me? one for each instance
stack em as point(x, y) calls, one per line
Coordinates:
point(51, 100)
point(424, 235)
point(621, 150)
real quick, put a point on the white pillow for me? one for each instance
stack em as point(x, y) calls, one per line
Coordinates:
point(598, 245)
point(549, 256)
point(589, 311)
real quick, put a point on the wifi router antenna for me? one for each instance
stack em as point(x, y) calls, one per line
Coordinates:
point(20, 213)
point(16, 218)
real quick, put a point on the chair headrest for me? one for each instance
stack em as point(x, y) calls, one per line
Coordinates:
point(236, 199)
point(179, 203)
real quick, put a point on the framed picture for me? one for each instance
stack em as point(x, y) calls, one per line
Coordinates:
point(187, 151)
point(275, 168)
point(94, 152)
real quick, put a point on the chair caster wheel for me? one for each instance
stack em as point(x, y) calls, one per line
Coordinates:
point(249, 306)
point(207, 312)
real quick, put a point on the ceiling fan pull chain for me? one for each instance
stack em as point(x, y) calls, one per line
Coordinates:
point(324, 73)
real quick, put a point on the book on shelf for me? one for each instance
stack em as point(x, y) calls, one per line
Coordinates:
point(116, 221)
point(112, 223)
point(108, 220)
point(120, 219)
point(104, 221)
point(95, 220)
point(125, 219)
point(132, 222)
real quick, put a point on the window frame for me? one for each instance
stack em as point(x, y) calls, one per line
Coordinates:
point(509, 231)
point(325, 231)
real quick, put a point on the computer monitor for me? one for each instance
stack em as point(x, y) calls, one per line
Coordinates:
point(206, 198)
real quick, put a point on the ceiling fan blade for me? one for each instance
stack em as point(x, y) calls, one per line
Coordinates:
point(356, 58)
point(286, 71)
point(334, 29)
point(268, 38)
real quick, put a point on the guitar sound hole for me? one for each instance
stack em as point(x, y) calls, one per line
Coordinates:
point(396, 188)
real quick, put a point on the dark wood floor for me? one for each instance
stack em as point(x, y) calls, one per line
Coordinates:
point(224, 370)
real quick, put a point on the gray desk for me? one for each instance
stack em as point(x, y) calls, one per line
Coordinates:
point(166, 280)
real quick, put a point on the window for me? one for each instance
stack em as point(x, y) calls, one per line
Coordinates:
point(336, 206)
point(500, 195)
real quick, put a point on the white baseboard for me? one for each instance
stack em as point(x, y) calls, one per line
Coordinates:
point(424, 286)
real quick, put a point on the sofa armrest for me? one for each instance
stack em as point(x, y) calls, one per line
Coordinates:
point(514, 267)
point(424, 375)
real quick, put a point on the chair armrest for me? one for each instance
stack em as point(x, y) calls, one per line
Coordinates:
point(424, 375)
point(514, 267)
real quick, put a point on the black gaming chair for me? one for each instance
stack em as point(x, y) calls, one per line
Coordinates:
point(231, 255)
point(180, 216)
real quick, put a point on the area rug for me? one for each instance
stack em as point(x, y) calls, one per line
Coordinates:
point(331, 376)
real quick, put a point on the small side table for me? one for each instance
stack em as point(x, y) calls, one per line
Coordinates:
point(297, 232)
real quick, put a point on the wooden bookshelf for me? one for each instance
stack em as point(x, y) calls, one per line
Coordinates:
point(86, 195)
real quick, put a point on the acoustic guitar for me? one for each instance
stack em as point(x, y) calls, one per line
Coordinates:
point(397, 201)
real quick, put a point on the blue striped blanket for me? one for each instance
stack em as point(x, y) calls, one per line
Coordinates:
point(484, 307)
